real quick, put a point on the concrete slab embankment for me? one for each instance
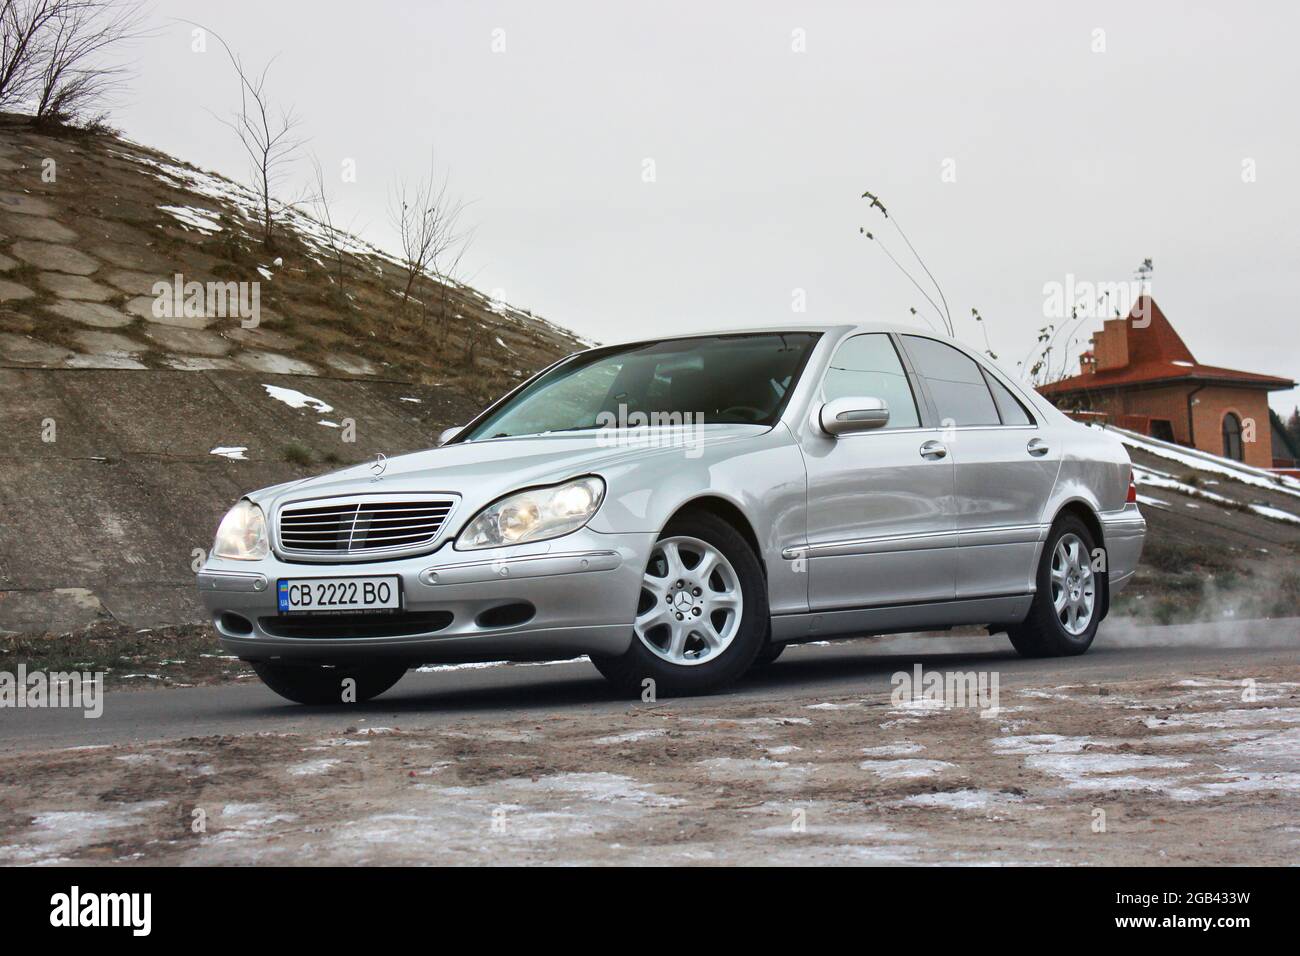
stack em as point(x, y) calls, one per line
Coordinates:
point(108, 483)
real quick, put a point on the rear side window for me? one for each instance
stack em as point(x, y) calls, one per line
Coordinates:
point(1013, 413)
point(867, 366)
point(955, 381)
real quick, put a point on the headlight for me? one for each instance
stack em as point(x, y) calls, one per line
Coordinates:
point(534, 515)
point(242, 534)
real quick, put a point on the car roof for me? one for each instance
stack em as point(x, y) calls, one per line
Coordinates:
point(840, 328)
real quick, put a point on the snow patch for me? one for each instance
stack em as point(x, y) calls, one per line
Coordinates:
point(1240, 717)
point(312, 768)
point(192, 217)
point(1044, 744)
point(296, 399)
point(629, 737)
point(905, 769)
point(1204, 461)
point(893, 750)
point(1239, 782)
point(1090, 771)
point(961, 800)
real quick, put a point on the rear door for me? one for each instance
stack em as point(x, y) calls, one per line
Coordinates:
point(881, 526)
point(1005, 468)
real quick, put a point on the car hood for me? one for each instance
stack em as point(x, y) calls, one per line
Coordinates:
point(480, 472)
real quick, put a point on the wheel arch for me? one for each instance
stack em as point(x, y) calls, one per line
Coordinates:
point(729, 512)
point(1085, 512)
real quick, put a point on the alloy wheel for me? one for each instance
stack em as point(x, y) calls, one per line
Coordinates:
point(691, 604)
point(1074, 586)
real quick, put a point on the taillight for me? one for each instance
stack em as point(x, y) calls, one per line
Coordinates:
point(1132, 489)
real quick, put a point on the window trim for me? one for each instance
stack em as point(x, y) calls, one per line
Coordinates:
point(919, 400)
point(930, 411)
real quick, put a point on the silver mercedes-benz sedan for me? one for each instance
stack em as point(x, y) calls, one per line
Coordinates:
point(680, 510)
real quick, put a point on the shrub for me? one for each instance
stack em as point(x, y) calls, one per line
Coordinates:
point(1173, 556)
point(297, 454)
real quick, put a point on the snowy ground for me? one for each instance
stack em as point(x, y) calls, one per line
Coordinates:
point(1198, 765)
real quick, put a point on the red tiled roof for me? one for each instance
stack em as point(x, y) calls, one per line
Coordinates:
point(1157, 353)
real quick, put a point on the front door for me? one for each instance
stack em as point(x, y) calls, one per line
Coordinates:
point(881, 525)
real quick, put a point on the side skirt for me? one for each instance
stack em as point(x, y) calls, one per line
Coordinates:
point(899, 618)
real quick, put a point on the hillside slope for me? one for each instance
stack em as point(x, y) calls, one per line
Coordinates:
point(1223, 539)
point(110, 414)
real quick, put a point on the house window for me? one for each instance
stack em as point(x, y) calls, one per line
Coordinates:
point(1232, 437)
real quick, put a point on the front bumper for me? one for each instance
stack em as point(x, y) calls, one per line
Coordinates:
point(570, 596)
point(1124, 532)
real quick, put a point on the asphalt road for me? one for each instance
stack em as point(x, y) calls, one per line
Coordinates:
point(483, 695)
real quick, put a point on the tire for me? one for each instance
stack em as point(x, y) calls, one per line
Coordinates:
point(1047, 631)
point(314, 684)
point(709, 655)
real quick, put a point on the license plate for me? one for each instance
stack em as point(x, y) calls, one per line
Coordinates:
point(339, 595)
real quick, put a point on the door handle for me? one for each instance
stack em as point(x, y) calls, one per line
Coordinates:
point(1037, 447)
point(934, 450)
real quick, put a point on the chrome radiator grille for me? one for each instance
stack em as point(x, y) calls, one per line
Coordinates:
point(361, 526)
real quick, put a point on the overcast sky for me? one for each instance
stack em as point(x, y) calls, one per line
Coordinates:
point(1017, 143)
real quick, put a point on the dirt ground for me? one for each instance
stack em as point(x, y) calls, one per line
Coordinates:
point(173, 656)
point(1193, 768)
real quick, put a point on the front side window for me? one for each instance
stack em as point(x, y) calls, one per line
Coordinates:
point(955, 381)
point(738, 379)
point(867, 366)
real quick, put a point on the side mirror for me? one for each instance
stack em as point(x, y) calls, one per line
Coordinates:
point(449, 433)
point(844, 416)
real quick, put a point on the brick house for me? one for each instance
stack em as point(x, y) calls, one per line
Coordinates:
point(1141, 376)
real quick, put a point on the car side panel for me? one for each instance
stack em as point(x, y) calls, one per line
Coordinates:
point(880, 520)
point(1001, 490)
point(1095, 469)
point(762, 477)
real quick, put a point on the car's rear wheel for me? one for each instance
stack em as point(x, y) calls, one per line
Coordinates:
point(314, 684)
point(1067, 606)
point(702, 613)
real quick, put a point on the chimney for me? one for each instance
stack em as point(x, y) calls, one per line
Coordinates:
point(1088, 364)
point(1111, 345)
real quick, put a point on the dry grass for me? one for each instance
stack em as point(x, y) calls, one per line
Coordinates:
point(110, 196)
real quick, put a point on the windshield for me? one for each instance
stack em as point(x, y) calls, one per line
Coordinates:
point(714, 379)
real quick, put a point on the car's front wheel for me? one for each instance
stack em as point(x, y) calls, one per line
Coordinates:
point(702, 613)
point(314, 684)
point(1067, 606)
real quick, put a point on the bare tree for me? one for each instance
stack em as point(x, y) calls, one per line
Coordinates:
point(428, 223)
point(70, 72)
point(335, 236)
point(22, 23)
point(266, 133)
